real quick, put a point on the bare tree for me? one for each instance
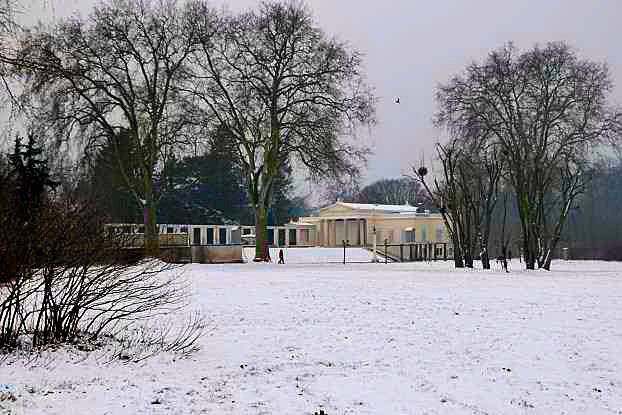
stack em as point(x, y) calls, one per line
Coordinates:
point(286, 92)
point(8, 27)
point(118, 71)
point(545, 110)
point(7, 14)
point(445, 193)
point(466, 194)
point(480, 170)
point(400, 191)
point(339, 189)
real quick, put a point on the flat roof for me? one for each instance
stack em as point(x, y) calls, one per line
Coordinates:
point(378, 208)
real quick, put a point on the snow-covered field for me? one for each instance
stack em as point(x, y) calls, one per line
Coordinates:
point(418, 338)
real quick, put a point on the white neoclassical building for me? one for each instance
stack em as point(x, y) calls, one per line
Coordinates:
point(356, 223)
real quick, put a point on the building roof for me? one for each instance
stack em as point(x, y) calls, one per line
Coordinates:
point(380, 208)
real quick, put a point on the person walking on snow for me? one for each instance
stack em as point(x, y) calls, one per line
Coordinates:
point(281, 258)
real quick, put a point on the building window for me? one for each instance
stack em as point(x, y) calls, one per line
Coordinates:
point(409, 235)
point(440, 232)
point(170, 229)
point(438, 251)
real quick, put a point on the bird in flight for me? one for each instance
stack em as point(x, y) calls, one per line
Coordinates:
point(397, 100)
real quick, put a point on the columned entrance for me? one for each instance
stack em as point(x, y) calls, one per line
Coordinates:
point(332, 232)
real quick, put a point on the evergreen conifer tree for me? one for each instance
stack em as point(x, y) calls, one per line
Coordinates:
point(31, 176)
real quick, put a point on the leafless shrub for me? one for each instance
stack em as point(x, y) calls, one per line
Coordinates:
point(145, 341)
point(67, 281)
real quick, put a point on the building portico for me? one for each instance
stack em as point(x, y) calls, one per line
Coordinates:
point(335, 230)
point(356, 223)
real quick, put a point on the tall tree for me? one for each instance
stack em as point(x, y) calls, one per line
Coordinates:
point(7, 29)
point(287, 93)
point(5, 176)
point(207, 188)
point(31, 176)
point(120, 69)
point(285, 204)
point(106, 185)
point(445, 191)
point(466, 193)
point(546, 110)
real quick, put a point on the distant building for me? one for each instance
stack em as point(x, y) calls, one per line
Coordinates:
point(356, 223)
point(352, 222)
point(183, 234)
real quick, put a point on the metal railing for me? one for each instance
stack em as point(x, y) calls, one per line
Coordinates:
point(415, 251)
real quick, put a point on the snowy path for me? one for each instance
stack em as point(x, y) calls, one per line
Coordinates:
point(314, 255)
point(367, 339)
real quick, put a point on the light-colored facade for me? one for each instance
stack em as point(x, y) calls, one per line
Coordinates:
point(179, 234)
point(356, 223)
point(352, 222)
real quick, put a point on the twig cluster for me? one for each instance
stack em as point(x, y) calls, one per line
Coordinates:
point(64, 278)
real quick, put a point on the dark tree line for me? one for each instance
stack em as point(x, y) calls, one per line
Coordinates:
point(594, 222)
point(204, 189)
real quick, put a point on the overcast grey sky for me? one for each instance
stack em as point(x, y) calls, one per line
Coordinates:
point(412, 45)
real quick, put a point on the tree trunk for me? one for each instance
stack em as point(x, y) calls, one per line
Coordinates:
point(262, 251)
point(485, 259)
point(523, 210)
point(556, 236)
point(530, 260)
point(468, 258)
point(458, 261)
point(152, 238)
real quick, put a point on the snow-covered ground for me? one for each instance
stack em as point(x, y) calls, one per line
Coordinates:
point(315, 255)
point(418, 338)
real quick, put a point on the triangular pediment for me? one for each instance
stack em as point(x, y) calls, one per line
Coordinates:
point(335, 210)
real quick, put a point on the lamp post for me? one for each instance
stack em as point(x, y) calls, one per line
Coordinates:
point(373, 217)
point(375, 257)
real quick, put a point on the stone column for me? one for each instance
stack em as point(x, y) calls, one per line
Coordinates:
point(359, 236)
point(362, 226)
point(286, 237)
point(328, 232)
